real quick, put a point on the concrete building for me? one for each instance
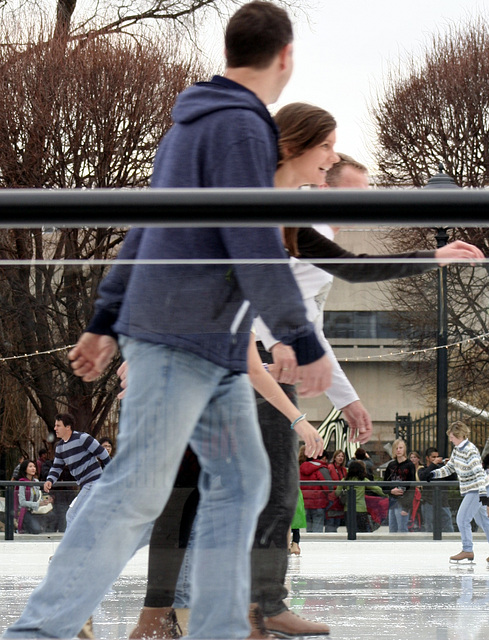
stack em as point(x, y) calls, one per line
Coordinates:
point(358, 328)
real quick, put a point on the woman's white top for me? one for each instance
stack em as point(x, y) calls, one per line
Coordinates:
point(315, 285)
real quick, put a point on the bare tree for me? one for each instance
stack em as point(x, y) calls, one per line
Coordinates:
point(94, 121)
point(414, 315)
point(82, 20)
point(437, 110)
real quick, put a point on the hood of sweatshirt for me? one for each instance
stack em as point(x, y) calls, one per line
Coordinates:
point(310, 467)
point(218, 94)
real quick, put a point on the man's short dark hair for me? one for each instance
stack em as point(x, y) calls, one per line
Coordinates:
point(66, 418)
point(255, 34)
point(42, 452)
point(106, 439)
point(429, 451)
point(360, 454)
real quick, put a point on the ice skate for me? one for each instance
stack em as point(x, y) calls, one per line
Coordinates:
point(156, 622)
point(463, 558)
point(87, 630)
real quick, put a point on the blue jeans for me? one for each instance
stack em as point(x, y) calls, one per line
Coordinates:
point(315, 520)
point(173, 397)
point(470, 510)
point(446, 518)
point(82, 496)
point(397, 522)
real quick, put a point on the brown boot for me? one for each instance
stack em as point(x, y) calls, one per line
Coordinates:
point(257, 622)
point(288, 625)
point(463, 556)
point(87, 630)
point(182, 618)
point(156, 622)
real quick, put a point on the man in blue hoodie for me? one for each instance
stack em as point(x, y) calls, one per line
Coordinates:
point(184, 331)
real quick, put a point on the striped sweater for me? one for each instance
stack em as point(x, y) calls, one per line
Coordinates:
point(79, 454)
point(466, 462)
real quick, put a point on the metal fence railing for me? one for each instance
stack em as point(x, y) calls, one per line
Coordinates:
point(7, 492)
point(350, 508)
point(7, 488)
point(45, 208)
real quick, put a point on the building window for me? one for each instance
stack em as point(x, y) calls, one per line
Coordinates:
point(359, 325)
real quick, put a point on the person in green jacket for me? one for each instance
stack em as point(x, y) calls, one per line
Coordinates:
point(358, 472)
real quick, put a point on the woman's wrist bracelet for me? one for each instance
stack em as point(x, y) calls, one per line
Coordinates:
point(302, 417)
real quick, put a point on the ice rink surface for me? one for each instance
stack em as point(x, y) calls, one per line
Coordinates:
point(364, 589)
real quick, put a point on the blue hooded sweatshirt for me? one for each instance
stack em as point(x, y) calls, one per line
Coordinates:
point(223, 136)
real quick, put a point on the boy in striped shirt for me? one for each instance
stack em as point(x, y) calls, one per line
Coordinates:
point(81, 454)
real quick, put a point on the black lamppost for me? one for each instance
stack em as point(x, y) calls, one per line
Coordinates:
point(442, 181)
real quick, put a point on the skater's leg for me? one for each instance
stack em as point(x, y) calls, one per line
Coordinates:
point(234, 487)
point(466, 512)
point(131, 492)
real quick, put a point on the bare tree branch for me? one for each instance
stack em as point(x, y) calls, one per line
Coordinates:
point(73, 116)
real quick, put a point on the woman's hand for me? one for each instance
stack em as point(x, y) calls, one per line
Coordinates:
point(313, 441)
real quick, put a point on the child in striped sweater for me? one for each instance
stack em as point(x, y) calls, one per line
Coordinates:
point(466, 462)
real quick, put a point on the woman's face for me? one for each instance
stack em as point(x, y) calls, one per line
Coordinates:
point(454, 440)
point(340, 457)
point(31, 469)
point(414, 458)
point(312, 165)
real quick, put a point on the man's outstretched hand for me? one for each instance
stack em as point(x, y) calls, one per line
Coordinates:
point(91, 355)
point(458, 250)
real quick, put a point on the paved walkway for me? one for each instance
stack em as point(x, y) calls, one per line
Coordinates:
point(395, 589)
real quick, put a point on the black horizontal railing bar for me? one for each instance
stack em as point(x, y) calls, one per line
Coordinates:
point(36, 483)
point(381, 483)
point(233, 261)
point(39, 208)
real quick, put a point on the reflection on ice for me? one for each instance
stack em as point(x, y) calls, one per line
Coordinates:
point(369, 590)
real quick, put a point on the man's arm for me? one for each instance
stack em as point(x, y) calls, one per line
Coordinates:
point(54, 473)
point(313, 244)
point(98, 344)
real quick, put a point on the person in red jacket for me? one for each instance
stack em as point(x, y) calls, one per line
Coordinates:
point(316, 498)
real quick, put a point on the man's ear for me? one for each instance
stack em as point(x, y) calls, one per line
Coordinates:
point(285, 56)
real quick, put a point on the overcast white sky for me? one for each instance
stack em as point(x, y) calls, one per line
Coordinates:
point(344, 52)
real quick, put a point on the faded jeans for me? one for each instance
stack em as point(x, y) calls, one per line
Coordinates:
point(397, 522)
point(173, 397)
point(470, 509)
